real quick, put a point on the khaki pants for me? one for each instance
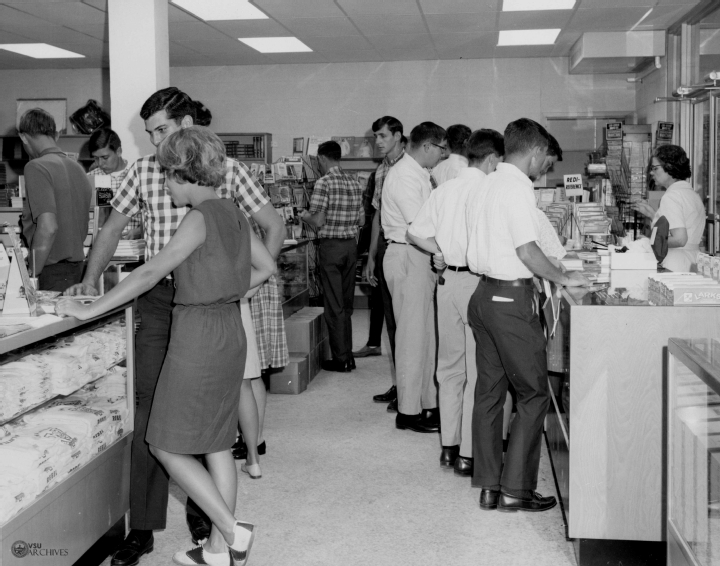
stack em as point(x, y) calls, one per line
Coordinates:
point(456, 370)
point(412, 284)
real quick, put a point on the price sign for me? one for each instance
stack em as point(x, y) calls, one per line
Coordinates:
point(613, 131)
point(573, 185)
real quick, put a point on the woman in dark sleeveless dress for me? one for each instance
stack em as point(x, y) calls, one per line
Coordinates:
point(215, 258)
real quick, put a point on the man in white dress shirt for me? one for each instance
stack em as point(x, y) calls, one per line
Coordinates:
point(411, 281)
point(449, 168)
point(502, 248)
point(440, 229)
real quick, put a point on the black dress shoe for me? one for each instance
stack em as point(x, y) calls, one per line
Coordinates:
point(448, 455)
point(392, 406)
point(239, 449)
point(351, 364)
point(463, 466)
point(413, 422)
point(431, 417)
point(489, 499)
point(199, 527)
point(389, 395)
point(335, 365)
point(535, 503)
point(133, 547)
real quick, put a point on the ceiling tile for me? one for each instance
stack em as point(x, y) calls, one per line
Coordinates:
point(194, 31)
point(607, 19)
point(320, 27)
point(299, 8)
point(524, 51)
point(98, 50)
point(378, 7)
point(470, 42)
point(662, 17)
point(400, 41)
point(550, 19)
point(95, 30)
point(175, 14)
point(392, 23)
point(9, 37)
point(66, 13)
point(10, 17)
point(48, 33)
point(462, 23)
point(295, 58)
point(251, 28)
point(209, 48)
point(599, 4)
point(99, 4)
point(347, 43)
point(460, 6)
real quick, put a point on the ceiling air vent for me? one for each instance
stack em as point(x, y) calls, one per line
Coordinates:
point(615, 51)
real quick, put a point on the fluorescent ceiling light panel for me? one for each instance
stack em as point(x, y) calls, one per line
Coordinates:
point(275, 44)
point(536, 5)
point(40, 51)
point(528, 37)
point(212, 10)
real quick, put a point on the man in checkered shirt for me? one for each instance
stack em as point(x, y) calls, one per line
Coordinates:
point(336, 212)
point(143, 191)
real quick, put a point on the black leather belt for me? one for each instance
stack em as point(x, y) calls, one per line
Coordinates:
point(503, 283)
point(458, 269)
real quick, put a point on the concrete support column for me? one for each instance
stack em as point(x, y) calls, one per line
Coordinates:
point(139, 65)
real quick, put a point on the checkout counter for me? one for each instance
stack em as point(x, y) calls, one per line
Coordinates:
point(607, 362)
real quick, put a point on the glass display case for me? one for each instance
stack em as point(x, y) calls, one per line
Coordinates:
point(292, 277)
point(693, 487)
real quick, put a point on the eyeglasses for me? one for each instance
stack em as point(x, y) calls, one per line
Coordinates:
point(443, 148)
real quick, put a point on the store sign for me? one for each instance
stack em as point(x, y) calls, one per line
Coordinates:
point(573, 185)
point(104, 196)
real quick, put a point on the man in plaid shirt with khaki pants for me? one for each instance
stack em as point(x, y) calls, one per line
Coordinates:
point(336, 212)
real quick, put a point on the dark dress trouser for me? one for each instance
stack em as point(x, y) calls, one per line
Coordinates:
point(381, 303)
point(148, 480)
point(510, 350)
point(337, 262)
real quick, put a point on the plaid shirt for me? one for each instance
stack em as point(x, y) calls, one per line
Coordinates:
point(339, 196)
point(380, 175)
point(116, 179)
point(143, 190)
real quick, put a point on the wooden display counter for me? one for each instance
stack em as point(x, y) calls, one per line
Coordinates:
point(605, 433)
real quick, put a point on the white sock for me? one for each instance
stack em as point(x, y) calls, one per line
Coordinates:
point(242, 531)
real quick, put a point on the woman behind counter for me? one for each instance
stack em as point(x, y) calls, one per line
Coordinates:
point(680, 205)
point(216, 258)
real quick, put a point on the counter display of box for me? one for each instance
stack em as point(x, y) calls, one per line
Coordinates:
point(59, 369)
point(43, 447)
point(683, 289)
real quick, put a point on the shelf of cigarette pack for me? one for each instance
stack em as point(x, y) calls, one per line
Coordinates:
point(47, 401)
point(54, 328)
point(111, 461)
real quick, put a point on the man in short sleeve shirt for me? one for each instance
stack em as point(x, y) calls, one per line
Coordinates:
point(335, 212)
point(143, 191)
point(449, 168)
point(502, 247)
point(411, 281)
point(57, 209)
point(440, 229)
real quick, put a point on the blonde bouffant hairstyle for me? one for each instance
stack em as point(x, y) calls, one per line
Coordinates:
point(193, 155)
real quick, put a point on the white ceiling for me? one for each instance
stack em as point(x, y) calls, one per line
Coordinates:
point(336, 30)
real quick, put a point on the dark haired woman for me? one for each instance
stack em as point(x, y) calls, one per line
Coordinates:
point(680, 205)
point(216, 258)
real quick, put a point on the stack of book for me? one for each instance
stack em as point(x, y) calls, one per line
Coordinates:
point(130, 250)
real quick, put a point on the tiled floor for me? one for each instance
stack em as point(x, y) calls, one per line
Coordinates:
point(342, 486)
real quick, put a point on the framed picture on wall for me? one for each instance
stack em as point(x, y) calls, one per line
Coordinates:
point(57, 107)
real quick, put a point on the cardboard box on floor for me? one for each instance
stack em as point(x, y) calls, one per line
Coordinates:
point(308, 343)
